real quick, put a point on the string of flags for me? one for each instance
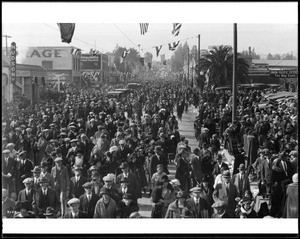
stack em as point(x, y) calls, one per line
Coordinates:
point(158, 48)
point(125, 53)
point(176, 28)
point(66, 31)
point(95, 52)
point(75, 51)
point(144, 28)
point(173, 47)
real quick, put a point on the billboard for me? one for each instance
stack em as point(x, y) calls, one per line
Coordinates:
point(90, 62)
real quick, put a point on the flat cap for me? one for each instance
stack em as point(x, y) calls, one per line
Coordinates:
point(74, 141)
point(88, 185)
point(77, 167)
point(27, 180)
point(127, 196)
point(6, 151)
point(175, 182)
point(73, 201)
point(105, 191)
point(196, 190)
point(36, 169)
point(226, 174)
point(219, 203)
point(108, 178)
point(10, 145)
point(58, 159)
point(43, 180)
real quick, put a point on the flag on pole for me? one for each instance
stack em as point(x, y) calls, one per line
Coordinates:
point(158, 48)
point(144, 28)
point(142, 61)
point(176, 28)
point(125, 53)
point(95, 52)
point(66, 31)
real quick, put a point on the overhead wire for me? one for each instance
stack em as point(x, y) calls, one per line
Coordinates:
point(125, 35)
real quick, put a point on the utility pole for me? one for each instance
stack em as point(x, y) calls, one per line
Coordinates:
point(198, 73)
point(234, 75)
point(6, 36)
point(188, 68)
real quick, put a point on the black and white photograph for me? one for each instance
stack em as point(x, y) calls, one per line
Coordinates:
point(117, 117)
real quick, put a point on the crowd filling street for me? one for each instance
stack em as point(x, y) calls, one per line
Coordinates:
point(82, 154)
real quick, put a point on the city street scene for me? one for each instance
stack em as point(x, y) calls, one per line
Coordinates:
point(149, 120)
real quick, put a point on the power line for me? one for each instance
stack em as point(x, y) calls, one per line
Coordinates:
point(76, 38)
point(125, 35)
point(168, 43)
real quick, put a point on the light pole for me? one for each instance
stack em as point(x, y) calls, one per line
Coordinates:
point(6, 36)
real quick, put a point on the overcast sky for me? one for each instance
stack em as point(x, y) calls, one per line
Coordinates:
point(35, 24)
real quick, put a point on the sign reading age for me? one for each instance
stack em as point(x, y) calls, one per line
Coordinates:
point(13, 70)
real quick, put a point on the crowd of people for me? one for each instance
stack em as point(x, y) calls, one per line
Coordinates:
point(79, 154)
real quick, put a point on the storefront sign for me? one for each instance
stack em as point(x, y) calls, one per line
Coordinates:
point(23, 73)
point(90, 62)
point(13, 62)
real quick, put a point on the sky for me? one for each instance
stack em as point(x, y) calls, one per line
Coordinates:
point(104, 32)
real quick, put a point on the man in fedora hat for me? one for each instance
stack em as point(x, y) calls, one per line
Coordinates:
point(36, 176)
point(106, 206)
point(24, 170)
point(198, 205)
point(127, 206)
point(74, 204)
point(220, 210)
point(76, 182)
point(8, 171)
point(131, 177)
point(88, 200)
point(61, 182)
point(241, 181)
point(124, 188)
point(158, 158)
point(227, 192)
point(27, 193)
point(44, 197)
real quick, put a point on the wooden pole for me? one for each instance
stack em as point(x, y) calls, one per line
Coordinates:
point(234, 75)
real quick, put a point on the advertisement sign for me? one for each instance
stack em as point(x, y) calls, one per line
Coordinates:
point(13, 63)
point(90, 62)
point(284, 73)
point(59, 75)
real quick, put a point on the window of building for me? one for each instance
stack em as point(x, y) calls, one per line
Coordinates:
point(47, 64)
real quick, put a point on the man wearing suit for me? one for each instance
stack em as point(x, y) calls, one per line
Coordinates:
point(88, 200)
point(45, 173)
point(134, 185)
point(76, 182)
point(198, 205)
point(218, 165)
point(25, 166)
point(45, 197)
point(158, 158)
point(108, 184)
point(27, 193)
point(75, 212)
point(227, 192)
point(61, 182)
point(241, 181)
point(36, 177)
point(8, 171)
point(265, 172)
point(126, 189)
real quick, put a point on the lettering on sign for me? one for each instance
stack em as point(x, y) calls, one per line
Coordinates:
point(13, 62)
point(47, 53)
point(284, 74)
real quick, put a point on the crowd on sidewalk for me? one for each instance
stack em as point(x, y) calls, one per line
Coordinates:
point(80, 154)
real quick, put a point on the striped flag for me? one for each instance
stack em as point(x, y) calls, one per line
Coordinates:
point(176, 28)
point(75, 51)
point(66, 31)
point(95, 52)
point(125, 53)
point(144, 27)
point(158, 48)
point(173, 47)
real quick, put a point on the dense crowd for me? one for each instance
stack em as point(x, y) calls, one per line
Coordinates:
point(80, 154)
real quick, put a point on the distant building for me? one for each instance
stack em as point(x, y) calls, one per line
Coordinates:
point(61, 63)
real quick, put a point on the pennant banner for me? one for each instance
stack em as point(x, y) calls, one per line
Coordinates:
point(158, 50)
point(95, 52)
point(66, 31)
point(75, 51)
point(144, 28)
point(176, 28)
point(125, 53)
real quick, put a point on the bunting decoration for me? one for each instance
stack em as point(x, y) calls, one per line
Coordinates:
point(142, 61)
point(95, 52)
point(66, 31)
point(144, 28)
point(176, 28)
point(75, 51)
point(125, 53)
point(173, 47)
point(158, 50)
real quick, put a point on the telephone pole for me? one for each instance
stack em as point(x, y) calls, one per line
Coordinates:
point(6, 36)
point(188, 68)
point(234, 75)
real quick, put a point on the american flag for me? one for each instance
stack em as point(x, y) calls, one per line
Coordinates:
point(176, 28)
point(125, 53)
point(158, 48)
point(144, 27)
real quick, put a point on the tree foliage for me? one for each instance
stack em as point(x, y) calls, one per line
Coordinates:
point(132, 59)
point(218, 63)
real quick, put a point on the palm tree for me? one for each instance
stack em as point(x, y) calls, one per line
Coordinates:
point(217, 64)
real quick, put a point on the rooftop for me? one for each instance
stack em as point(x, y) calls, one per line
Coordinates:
point(277, 62)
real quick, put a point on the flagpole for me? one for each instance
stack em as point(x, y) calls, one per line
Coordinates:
point(188, 73)
point(234, 75)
